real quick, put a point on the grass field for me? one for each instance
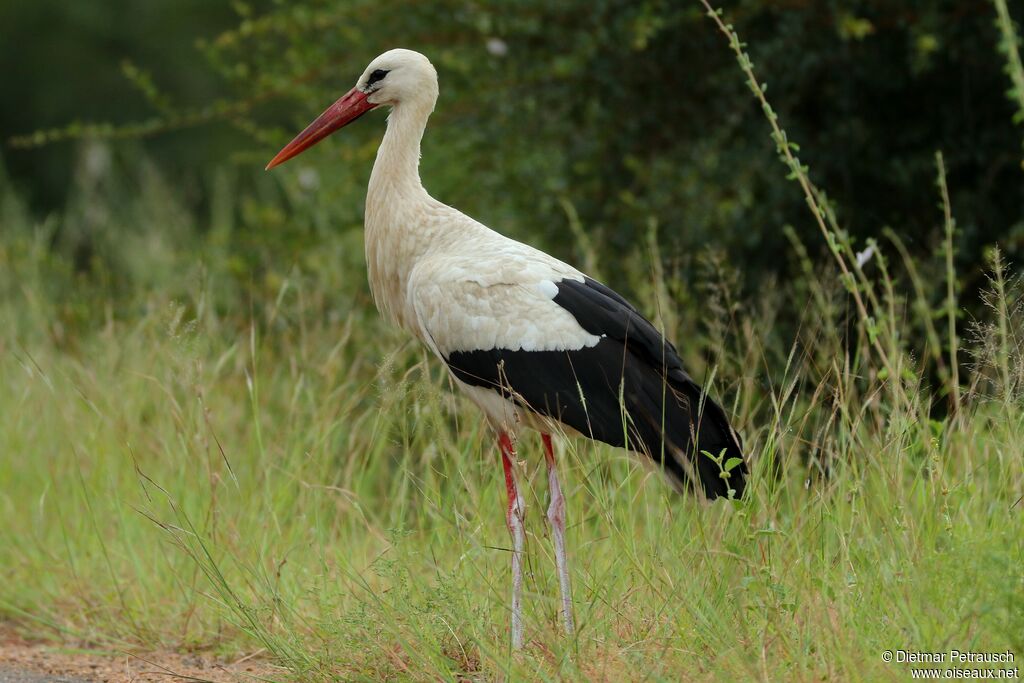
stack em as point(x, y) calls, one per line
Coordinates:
point(199, 456)
point(292, 475)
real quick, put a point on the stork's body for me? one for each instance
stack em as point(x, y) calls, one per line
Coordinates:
point(530, 339)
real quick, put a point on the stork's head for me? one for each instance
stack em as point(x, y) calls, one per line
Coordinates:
point(397, 78)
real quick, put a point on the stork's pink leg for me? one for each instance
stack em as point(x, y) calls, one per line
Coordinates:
point(556, 515)
point(514, 518)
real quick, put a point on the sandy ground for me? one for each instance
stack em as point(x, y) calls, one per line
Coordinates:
point(25, 662)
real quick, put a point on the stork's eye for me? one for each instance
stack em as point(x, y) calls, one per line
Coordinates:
point(376, 76)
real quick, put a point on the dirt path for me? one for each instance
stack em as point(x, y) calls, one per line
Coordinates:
point(24, 662)
point(11, 676)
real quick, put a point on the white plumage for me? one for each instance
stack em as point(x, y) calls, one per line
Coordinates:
point(530, 339)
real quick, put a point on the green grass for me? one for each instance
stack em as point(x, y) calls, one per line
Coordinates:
point(206, 444)
point(295, 476)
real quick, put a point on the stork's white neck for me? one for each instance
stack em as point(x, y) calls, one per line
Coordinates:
point(397, 169)
point(398, 232)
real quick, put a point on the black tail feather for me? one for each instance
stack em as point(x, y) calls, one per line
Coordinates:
point(684, 431)
point(613, 395)
point(713, 436)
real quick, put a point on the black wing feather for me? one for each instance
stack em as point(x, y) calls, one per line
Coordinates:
point(630, 390)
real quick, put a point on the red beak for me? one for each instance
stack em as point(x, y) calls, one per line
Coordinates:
point(350, 107)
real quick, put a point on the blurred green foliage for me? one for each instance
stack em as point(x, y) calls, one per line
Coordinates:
point(65, 62)
point(165, 299)
point(623, 114)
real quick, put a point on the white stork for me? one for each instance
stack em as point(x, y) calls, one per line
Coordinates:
point(531, 340)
